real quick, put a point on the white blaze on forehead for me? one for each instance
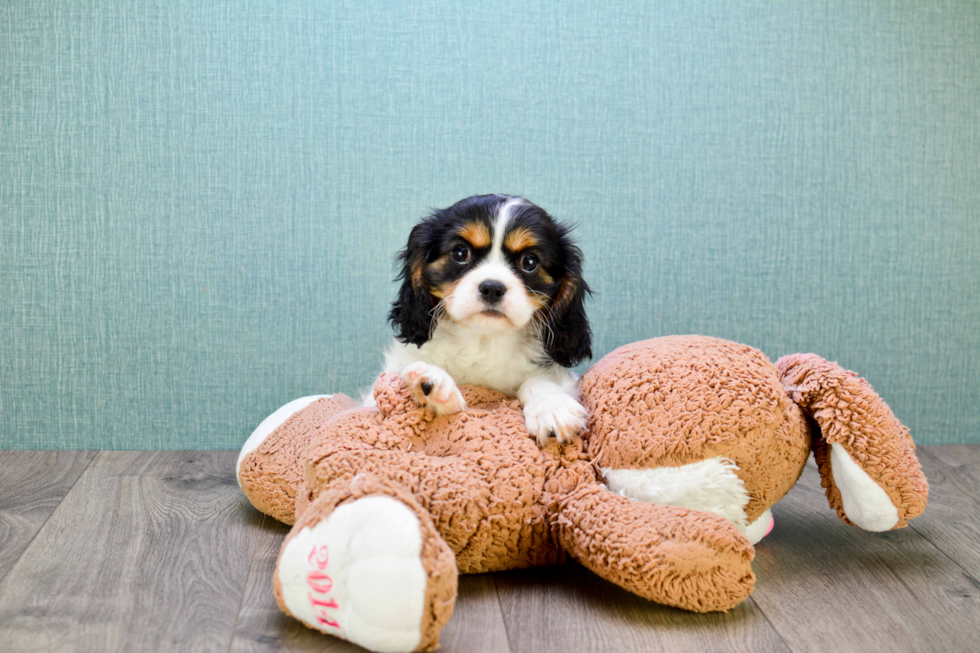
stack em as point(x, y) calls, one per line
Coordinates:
point(504, 214)
point(466, 301)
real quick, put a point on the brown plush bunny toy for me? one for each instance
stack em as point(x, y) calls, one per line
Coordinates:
point(691, 441)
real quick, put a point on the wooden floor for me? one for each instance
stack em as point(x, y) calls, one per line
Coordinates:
point(133, 551)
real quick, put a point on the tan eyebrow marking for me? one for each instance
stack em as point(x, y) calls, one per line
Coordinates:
point(477, 234)
point(439, 266)
point(520, 238)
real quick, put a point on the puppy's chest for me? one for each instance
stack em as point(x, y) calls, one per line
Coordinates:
point(500, 366)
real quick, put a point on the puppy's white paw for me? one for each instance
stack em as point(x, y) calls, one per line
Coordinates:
point(433, 387)
point(554, 415)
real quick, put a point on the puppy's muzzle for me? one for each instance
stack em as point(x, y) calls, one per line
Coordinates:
point(492, 291)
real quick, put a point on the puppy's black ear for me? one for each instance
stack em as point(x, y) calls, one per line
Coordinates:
point(568, 337)
point(412, 313)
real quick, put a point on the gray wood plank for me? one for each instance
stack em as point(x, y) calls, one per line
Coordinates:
point(826, 586)
point(952, 518)
point(149, 551)
point(476, 626)
point(478, 621)
point(32, 484)
point(569, 608)
point(260, 625)
point(160, 551)
point(955, 455)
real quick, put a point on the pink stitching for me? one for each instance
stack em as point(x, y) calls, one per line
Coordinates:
point(323, 604)
point(320, 556)
point(321, 583)
point(327, 622)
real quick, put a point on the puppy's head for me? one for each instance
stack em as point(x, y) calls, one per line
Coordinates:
point(494, 263)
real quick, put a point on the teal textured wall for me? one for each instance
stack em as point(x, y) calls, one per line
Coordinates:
point(200, 200)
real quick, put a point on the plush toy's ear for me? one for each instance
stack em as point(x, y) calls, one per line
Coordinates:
point(568, 337)
point(412, 313)
point(866, 457)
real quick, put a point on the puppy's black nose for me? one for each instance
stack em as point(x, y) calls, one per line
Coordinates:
point(492, 291)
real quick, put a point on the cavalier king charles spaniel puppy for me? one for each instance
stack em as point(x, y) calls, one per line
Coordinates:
point(492, 294)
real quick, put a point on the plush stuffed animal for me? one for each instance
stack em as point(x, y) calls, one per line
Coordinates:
point(691, 440)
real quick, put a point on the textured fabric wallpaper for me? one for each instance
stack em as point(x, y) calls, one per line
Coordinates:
point(200, 201)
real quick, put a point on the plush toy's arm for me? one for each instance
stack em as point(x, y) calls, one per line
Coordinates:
point(686, 558)
point(865, 455)
point(272, 462)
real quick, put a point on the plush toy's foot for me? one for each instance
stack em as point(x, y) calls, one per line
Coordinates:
point(866, 457)
point(271, 423)
point(365, 566)
point(358, 575)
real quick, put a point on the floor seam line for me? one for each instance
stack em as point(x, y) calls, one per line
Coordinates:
point(48, 518)
point(503, 617)
point(771, 624)
point(938, 548)
point(914, 527)
point(241, 602)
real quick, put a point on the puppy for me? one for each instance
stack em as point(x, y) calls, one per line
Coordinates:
point(492, 294)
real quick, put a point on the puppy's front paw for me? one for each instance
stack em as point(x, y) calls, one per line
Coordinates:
point(554, 415)
point(433, 387)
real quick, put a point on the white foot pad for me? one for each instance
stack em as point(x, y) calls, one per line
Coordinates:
point(865, 503)
point(358, 575)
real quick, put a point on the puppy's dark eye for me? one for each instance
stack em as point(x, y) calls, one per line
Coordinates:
point(529, 263)
point(461, 254)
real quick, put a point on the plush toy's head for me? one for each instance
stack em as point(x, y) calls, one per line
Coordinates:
point(713, 425)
